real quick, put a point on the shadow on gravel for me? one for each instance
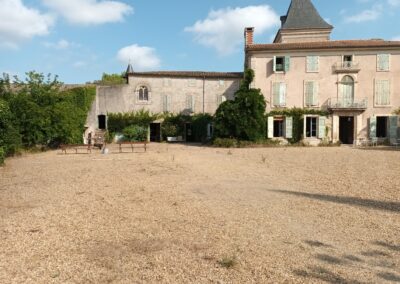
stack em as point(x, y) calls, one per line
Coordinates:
point(354, 201)
point(320, 273)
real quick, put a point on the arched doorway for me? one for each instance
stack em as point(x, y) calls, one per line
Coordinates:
point(347, 91)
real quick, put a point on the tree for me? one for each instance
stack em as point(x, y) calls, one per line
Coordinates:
point(113, 79)
point(243, 118)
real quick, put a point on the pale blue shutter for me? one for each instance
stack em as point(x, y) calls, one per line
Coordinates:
point(393, 125)
point(321, 127)
point(372, 127)
point(309, 93)
point(386, 93)
point(165, 103)
point(275, 93)
point(289, 127)
point(383, 62)
point(270, 127)
point(274, 64)
point(315, 94)
point(287, 63)
point(282, 94)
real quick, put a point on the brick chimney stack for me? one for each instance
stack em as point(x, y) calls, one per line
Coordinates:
point(248, 36)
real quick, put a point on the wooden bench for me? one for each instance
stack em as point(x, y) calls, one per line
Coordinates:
point(132, 145)
point(76, 147)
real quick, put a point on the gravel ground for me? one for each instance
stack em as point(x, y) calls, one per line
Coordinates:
point(188, 214)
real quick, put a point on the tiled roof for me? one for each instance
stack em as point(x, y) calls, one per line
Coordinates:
point(189, 74)
point(338, 44)
point(303, 15)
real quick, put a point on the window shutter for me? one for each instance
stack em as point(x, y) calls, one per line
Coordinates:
point(274, 64)
point(165, 103)
point(372, 127)
point(289, 127)
point(287, 63)
point(270, 127)
point(383, 62)
point(275, 93)
point(282, 94)
point(386, 93)
point(315, 94)
point(309, 93)
point(309, 63)
point(393, 125)
point(321, 127)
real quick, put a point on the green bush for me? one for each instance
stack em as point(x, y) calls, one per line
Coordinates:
point(117, 122)
point(2, 155)
point(225, 143)
point(135, 133)
point(10, 139)
point(244, 117)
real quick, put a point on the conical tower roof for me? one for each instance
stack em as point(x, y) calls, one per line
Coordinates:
point(303, 15)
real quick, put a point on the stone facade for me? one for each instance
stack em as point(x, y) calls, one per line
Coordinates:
point(174, 92)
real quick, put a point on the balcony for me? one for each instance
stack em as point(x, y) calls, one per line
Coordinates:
point(347, 104)
point(346, 67)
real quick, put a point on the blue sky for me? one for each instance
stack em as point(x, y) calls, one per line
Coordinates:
point(80, 39)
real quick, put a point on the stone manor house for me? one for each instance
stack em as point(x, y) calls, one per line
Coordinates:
point(352, 80)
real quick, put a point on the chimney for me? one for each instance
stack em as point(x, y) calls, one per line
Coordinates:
point(248, 36)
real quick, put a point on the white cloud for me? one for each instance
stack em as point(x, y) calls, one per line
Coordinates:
point(79, 64)
point(19, 23)
point(142, 58)
point(396, 38)
point(90, 12)
point(61, 44)
point(223, 29)
point(394, 2)
point(367, 15)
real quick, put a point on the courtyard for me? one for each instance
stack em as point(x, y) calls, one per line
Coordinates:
point(191, 214)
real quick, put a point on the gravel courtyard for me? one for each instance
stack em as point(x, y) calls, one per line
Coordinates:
point(188, 214)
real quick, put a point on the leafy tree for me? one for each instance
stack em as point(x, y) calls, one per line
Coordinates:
point(244, 117)
point(135, 133)
point(10, 139)
point(113, 79)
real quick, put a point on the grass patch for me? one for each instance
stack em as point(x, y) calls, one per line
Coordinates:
point(228, 262)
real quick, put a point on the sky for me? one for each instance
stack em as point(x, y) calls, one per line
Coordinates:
point(78, 40)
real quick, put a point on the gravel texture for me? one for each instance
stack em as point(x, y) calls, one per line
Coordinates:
point(189, 214)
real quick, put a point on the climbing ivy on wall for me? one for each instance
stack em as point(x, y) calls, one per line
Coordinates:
point(298, 119)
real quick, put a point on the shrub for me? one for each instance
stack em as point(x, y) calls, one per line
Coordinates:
point(117, 122)
point(225, 143)
point(2, 155)
point(135, 133)
point(244, 117)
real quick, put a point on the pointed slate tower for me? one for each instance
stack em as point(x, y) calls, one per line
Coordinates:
point(303, 23)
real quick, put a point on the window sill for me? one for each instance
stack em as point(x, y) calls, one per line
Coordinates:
point(383, 106)
point(143, 102)
point(312, 71)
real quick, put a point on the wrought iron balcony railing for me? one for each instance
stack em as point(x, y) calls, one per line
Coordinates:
point(340, 103)
point(346, 66)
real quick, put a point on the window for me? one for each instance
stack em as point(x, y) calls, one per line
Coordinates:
point(281, 63)
point(381, 126)
point(311, 93)
point(166, 103)
point(311, 127)
point(347, 91)
point(279, 94)
point(383, 62)
point(382, 92)
point(190, 103)
point(279, 124)
point(143, 93)
point(312, 63)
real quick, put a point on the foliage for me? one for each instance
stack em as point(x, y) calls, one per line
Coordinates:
point(10, 139)
point(2, 155)
point(112, 79)
point(135, 133)
point(298, 121)
point(117, 122)
point(225, 143)
point(243, 118)
point(37, 112)
point(397, 112)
